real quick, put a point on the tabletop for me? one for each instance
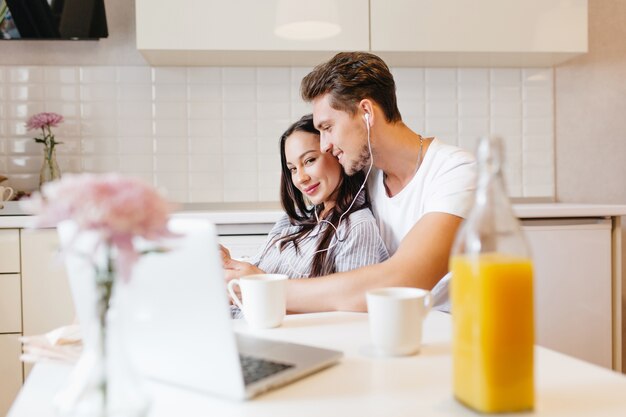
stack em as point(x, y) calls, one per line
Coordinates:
point(362, 383)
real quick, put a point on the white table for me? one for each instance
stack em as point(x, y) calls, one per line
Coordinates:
point(365, 385)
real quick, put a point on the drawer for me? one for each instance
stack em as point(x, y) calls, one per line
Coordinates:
point(9, 251)
point(10, 370)
point(10, 304)
point(243, 246)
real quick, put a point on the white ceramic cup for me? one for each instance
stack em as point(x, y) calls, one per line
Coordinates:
point(5, 193)
point(395, 316)
point(262, 299)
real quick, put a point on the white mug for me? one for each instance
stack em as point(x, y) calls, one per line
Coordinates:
point(3, 192)
point(395, 317)
point(262, 299)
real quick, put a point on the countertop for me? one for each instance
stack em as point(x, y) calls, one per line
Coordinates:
point(363, 383)
point(12, 216)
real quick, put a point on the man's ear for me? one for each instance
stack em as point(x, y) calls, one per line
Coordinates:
point(366, 110)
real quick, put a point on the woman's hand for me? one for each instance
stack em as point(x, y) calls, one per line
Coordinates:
point(225, 255)
point(236, 269)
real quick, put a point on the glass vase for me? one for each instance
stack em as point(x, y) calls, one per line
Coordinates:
point(103, 382)
point(49, 168)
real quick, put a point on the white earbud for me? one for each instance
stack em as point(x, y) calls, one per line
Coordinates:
point(367, 119)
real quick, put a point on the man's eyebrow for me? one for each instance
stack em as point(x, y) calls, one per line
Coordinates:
point(320, 123)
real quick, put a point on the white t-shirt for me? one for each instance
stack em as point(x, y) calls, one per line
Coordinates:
point(445, 182)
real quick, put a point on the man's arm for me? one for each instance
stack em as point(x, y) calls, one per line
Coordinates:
point(420, 261)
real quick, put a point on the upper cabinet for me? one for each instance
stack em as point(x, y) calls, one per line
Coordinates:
point(238, 32)
point(403, 32)
point(478, 32)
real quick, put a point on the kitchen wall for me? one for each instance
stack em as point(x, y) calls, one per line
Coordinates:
point(210, 133)
point(590, 120)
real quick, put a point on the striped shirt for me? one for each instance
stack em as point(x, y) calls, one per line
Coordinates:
point(356, 243)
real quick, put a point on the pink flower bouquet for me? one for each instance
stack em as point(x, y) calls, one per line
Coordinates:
point(116, 207)
point(45, 121)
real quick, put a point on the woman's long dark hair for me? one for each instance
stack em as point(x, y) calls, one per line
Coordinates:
point(304, 216)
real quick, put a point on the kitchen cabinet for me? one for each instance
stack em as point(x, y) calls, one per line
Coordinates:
point(9, 251)
point(237, 32)
point(34, 299)
point(11, 374)
point(46, 299)
point(243, 246)
point(478, 32)
point(574, 287)
point(10, 370)
point(404, 32)
point(10, 304)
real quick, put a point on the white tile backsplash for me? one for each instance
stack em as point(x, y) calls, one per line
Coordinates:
point(473, 108)
point(475, 92)
point(210, 134)
point(61, 75)
point(203, 75)
point(239, 146)
point(506, 77)
point(204, 110)
point(25, 74)
point(441, 92)
point(505, 93)
point(167, 92)
point(412, 108)
point(238, 75)
point(506, 127)
point(24, 110)
point(204, 93)
point(134, 75)
point(273, 75)
point(97, 75)
point(135, 146)
point(133, 110)
point(473, 77)
point(103, 163)
point(140, 92)
point(441, 109)
point(238, 128)
point(98, 92)
point(441, 76)
point(26, 92)
point(169, 75)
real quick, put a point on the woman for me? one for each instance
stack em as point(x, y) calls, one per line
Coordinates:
point(328, 226)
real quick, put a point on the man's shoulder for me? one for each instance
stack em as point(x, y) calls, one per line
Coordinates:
point(445, 152)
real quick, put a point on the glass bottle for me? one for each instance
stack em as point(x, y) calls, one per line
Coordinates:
point(50, 168)
point(492, 298)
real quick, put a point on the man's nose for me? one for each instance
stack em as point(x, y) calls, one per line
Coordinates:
point(325, 145)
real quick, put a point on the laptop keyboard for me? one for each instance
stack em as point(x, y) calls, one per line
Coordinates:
point(255, 369)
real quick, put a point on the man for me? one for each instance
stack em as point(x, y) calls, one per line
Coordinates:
point(421, 189)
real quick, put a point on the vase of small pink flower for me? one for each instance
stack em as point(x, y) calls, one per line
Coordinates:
point(45, 122)
point(104, 214)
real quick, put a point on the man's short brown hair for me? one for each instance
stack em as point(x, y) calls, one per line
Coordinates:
point(350, 77)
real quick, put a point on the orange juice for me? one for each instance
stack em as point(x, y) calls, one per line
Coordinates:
point(492, 310)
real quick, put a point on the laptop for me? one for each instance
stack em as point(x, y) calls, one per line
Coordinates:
point(179, 329)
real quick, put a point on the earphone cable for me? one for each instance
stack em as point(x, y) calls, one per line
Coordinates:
point(337, 238)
